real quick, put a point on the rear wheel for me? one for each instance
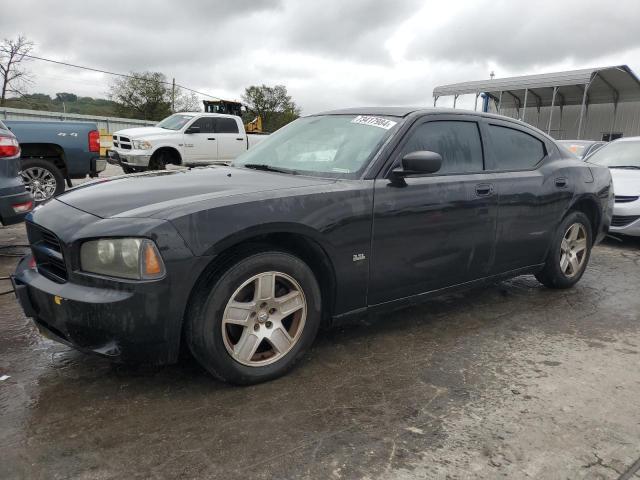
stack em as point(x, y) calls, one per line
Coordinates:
point(569, 254)
point(42, 179)
point(253, 322)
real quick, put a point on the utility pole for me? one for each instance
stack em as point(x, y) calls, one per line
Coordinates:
point(173, 96)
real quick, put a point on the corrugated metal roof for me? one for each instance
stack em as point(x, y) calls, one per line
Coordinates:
point(604, 84)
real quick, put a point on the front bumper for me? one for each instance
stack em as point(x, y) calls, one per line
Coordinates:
point(128, 321)
point(8, 215)
point(126, 158)
point(626, 218)
point(107, 322)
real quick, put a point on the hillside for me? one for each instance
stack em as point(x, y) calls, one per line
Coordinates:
point(69, 102)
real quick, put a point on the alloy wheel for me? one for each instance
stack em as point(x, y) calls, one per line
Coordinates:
point(264, 319)
point(40, 182)
point(573, 250)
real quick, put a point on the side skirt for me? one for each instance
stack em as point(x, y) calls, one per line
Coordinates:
point(354, 316)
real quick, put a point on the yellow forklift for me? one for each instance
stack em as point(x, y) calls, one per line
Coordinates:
point(232, 108)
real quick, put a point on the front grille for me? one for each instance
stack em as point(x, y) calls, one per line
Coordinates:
point(47, 252)
point(623, 220)
point(625, 198)
point(122, 142)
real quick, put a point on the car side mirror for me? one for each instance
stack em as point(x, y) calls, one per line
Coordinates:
point(192, 130)
point(422, 162)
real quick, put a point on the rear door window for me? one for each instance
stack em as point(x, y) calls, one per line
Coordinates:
point(458, 142)
point(515, 149)
point(226, 125)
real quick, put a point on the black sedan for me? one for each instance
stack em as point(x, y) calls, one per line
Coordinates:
point(336, 215)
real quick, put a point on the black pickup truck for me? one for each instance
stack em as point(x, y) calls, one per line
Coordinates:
point(55, 152)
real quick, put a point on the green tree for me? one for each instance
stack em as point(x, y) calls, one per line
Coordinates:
point(66, 97)
point(273, 104)
point(143, 95)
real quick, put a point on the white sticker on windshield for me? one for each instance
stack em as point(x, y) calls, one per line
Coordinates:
point(374, 121)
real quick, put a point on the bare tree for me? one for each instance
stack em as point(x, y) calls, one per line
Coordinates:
point(187, 102)
point(12, 54)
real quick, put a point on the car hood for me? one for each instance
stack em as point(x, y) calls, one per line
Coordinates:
point(156, 193)
point(145, 132)
point(625, 182)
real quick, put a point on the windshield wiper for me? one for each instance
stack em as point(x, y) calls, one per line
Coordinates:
point(269, 168)
point(631, 167)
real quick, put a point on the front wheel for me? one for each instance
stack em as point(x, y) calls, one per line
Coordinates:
point(253, 322)
point(42, 179)
point(569, 253)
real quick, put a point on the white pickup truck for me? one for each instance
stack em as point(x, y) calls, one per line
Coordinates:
point(182, 139)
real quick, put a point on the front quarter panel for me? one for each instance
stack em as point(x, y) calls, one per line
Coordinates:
point(337, 216)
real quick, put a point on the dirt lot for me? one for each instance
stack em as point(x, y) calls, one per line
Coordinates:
point(509, 381)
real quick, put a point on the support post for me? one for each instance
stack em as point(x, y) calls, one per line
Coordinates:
point(173, 96)
point(524, 108)
point(500, 103)
point(553, 104)
point(582, 108)
point(435, 100)
point(475, 105)
point(613, 120)
point(455, 99)
point(560, 126)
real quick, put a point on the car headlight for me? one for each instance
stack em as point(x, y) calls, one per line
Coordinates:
point(131, 258)
point(141, 145)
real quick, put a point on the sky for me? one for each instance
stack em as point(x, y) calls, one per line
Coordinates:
point(329, 53)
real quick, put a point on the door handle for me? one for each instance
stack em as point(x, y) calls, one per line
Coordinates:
point(240, 139)
point(484, 189)
point(211, 138)
point(561, 182)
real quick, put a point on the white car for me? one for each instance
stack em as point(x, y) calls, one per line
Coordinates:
point(182, 139)
point(623, 159)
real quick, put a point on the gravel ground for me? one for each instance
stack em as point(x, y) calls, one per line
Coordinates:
point(508, 381)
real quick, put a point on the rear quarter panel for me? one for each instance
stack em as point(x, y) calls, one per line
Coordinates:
point(71, 137)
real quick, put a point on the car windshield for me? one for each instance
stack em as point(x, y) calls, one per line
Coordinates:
point(175, 122)
point(624, 154)
point(338, 146)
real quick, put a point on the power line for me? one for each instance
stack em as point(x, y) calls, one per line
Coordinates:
point(119, 75)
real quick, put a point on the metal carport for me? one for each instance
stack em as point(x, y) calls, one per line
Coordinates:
point(607, 85)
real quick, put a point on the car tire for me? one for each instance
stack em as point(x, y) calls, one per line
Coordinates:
point(158, 162)
point(569, 252)
point(243, 336)
point(42, 178)
point(128, 170)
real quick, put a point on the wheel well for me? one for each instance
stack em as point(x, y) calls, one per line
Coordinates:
point(590, 208)
point(172, 154)
point(308, 250)
point(45, 151)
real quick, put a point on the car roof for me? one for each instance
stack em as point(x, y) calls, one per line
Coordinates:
point(406, 111)
point(628, 139)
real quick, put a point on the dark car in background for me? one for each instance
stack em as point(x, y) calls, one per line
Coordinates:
point(582, 148)
point(15, 201)
point(334, 216)
point(56, 152)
